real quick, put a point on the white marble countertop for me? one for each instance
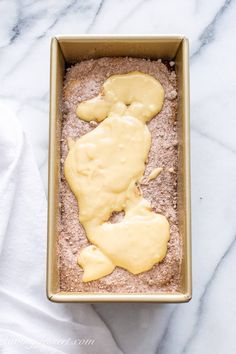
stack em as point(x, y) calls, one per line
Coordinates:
point(206, 324)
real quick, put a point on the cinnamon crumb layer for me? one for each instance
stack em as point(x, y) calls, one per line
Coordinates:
point(83, 81)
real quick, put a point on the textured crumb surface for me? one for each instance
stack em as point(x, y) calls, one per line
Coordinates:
point(83, 81)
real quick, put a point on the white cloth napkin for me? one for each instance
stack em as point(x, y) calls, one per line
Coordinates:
point(29, 323)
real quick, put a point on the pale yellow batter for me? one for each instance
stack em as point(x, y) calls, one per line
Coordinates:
point(103, 168)
point(155, 173)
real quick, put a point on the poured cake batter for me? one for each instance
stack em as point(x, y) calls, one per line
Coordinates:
point(84, 81)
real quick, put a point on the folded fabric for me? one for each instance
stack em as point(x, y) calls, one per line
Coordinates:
point(29, 323)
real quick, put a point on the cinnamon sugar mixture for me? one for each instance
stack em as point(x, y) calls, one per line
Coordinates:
point(82, 82)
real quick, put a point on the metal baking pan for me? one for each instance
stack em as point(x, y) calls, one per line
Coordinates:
point(70, 49)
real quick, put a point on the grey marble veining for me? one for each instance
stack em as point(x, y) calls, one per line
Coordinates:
point(206, 324)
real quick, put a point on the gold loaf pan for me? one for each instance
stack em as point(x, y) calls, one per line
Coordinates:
point(69, 49)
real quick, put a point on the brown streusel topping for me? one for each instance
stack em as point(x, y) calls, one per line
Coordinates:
point(84, 81)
